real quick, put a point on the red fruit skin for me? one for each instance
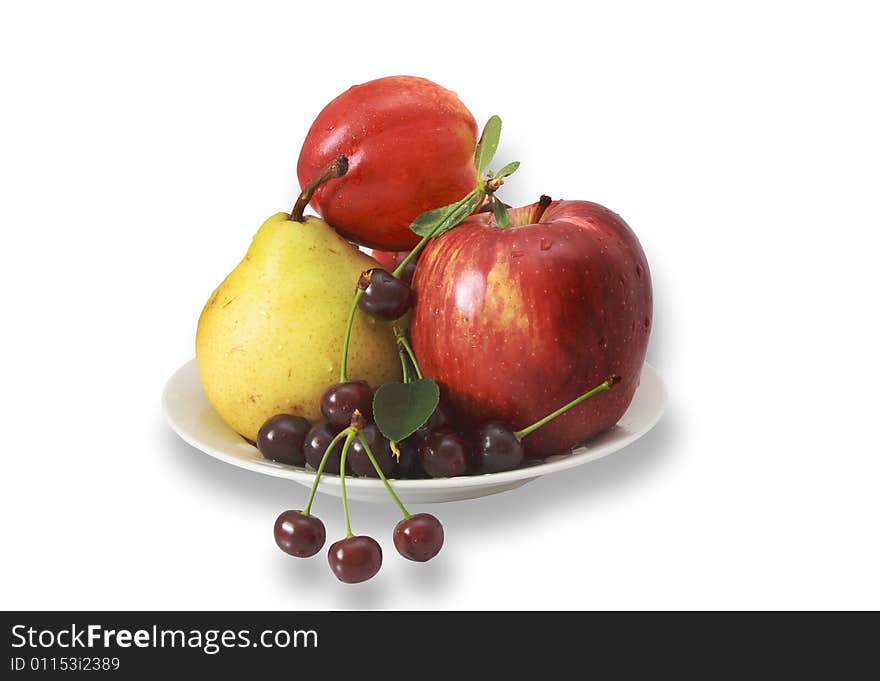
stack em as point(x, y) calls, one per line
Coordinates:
point(410, 145)
point(419, 537)
point(514, 323)
point(355, 559)
point(389, 260)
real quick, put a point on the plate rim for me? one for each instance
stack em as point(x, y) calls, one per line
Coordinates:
point(580, 455)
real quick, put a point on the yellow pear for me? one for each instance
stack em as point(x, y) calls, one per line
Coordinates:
point(270, 338)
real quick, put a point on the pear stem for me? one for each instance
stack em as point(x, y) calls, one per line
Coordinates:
point(324, 458)
point(366, 446)
point(336, 168)
point(348, 438)
point(602, 387)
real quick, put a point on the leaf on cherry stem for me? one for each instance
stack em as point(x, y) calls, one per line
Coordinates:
point(439, 220)
point(507, 170)
point(399, 409)
point(502, 217)
point(488, 144)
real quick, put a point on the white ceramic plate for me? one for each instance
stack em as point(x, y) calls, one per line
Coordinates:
point(191, 417)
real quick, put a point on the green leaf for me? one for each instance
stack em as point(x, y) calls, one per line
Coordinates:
point(428, 220)
point(435, 222)
point(508, 170)
point(399, 409)
point(488, 144)
point(502, 217)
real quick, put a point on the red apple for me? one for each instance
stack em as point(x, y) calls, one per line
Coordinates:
point(410, 145)
point(515, 322)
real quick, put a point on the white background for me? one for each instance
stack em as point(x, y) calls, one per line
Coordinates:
point(144, 143)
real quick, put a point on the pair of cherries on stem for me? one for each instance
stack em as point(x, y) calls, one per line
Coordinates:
point(356, 558)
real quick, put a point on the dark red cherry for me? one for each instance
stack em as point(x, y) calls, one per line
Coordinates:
point(497, 448)
point(436, 421)
point(445, 453)
point(409, 465)
point(298, 534)
point(340, 401)
point(410, 269)
point(317, 441)
point(355, 559)
point(379, 446)
point(385, 297)
point(419, 537)
point(281, 439)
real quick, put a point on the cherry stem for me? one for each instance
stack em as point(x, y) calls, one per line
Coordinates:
point(403, 342)
point(320, 470)
point(404, 364)
point(350, 435)
point(343, 369)
point(336, 168)
point(543, 203)
point(602, 387)
point(388, 486)
point(419, 246)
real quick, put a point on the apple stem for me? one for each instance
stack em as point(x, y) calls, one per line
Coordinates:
point(366, 446)
point(425, 239)
point(348, 438)
point(336, 168)
point(602, 387)
point(324, 458)
point(543, 203)
point(403, 342)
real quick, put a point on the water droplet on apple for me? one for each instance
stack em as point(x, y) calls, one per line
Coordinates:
point(517, 254)
point(639, 271)
point(603, 343)
point(647, 322)
point(546, 244)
